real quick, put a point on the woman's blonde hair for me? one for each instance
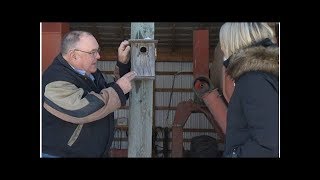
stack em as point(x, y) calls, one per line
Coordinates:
point(235, 36)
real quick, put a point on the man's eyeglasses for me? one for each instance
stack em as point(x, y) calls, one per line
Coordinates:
point(93, 52)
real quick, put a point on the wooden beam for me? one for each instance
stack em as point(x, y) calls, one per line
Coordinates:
point(95, 32)
point(141, 103)
point(173, 41)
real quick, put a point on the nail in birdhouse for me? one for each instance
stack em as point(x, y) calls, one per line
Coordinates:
point(143, 57)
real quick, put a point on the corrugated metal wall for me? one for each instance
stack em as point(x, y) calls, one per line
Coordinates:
point(197, 123)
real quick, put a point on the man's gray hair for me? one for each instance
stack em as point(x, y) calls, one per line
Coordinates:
point(70, 40)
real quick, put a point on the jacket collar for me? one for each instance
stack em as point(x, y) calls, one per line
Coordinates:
point(262, 56)
point(264, 59)
point(265, 43)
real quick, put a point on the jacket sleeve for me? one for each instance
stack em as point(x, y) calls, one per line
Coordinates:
point(70, 103)
point(260, 105)
point(120, 70)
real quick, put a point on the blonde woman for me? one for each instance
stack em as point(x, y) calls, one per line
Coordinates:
point(252, 62)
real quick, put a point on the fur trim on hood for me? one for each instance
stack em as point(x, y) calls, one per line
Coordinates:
point(265, 59)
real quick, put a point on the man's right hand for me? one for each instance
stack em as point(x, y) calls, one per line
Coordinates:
point(124, 52)
point(125, 81)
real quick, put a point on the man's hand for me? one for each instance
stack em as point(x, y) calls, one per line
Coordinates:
point(125, 81)
point(124, 52)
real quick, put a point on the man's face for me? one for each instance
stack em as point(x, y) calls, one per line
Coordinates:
point(87, 53)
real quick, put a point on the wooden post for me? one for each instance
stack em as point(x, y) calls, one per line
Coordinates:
point(141, 104)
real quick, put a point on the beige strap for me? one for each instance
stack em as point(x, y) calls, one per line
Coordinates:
point(75, 135)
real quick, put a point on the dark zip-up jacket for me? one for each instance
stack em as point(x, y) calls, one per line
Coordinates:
point(253, 110)
point(77, 113)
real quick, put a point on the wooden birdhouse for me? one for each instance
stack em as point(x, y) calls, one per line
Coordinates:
point(143, 57)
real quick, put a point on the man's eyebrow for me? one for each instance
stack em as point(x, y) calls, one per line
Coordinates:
point(96, 49)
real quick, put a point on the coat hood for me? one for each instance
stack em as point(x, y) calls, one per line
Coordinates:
point(258, 58)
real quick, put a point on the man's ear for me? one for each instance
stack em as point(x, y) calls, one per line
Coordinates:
point(72, 54)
